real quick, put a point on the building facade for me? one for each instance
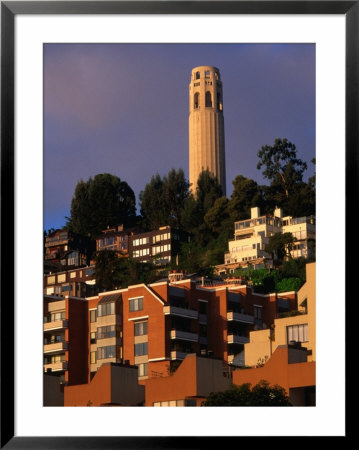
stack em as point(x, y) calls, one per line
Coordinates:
point(206, 125)
point(154, 327)
point(252, 235)
point(159, 246)
point(80, 282)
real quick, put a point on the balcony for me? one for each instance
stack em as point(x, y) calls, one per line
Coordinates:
point(178, 355)
point(56, 366)
point(181, 312)
point(184, 335)
point(239, 317)
point(235, 339)
point(56, 325)
point(56, 347)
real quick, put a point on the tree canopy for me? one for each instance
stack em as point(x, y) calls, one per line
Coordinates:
point(285, 171)
point(114, 272)
point(163, 199)
point(101, 202)
point(262, 394)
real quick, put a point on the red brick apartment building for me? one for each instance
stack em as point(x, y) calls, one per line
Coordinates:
point(154, 327)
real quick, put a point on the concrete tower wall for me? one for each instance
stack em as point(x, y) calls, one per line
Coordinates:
point(206, 125)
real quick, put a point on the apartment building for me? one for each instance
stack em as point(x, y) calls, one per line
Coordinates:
point(80, 282)
point(64, 250)
point(252, 235)
point(296, 326)
point(154, 327)
point(159, 246)
point(116, 239)
point(66, 338)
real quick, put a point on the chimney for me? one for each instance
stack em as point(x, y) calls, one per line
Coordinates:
point(255, 212)
point(278, 212)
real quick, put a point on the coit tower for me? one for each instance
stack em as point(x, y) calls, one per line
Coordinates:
point(206, 125)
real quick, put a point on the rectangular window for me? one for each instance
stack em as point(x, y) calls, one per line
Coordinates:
point(136, 304)
point(93, 358)
point(106, 352)
point(106, 332)
point(258, 312)
point(143, 370)
point(297, 333)
point(141, 349)
point(141, 241)
point(93, 315)
point(106, 309)
point(93, 337)
point(51, 280)
point(89, 272)
point(141, 328)
point(56, 317)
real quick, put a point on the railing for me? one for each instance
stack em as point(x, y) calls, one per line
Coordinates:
point(179, 311)
point(178, 354)
point(57, 325)
point(185, 335)
point(239, 317)
point(55, 347)
point(56, 366)
point(235, 339)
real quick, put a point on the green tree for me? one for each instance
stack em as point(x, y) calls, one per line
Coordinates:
point(280, 246)
point(152, 204)
point(101, 202)
point(114, 272)
point(246, 194)
point(281, 165)
point(262, 394)
point(162, 200)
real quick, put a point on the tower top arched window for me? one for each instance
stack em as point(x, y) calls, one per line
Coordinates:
point(196, 100)
point(197, 76)
point(208, 100)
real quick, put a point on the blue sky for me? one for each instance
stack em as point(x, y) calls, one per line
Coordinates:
point(123, 109)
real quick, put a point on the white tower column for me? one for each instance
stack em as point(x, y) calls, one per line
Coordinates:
point(206, 125)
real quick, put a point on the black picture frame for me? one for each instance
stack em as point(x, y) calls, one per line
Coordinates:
point(9, 9)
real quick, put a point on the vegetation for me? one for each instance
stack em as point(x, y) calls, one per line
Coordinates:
point(288, 277)
point(106, 201)
point(162, 200)
point(114, 272)
point(262, 394)
point(101, 202)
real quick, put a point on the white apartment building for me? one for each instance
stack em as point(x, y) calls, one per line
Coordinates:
point(252, 235)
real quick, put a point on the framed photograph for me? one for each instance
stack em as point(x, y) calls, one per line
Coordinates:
point(35, 42)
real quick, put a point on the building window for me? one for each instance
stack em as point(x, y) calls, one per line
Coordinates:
point(198, 75)
point(161, 249)
point(143, 370)
point(106, 309)
point(93, 315)
point(56, 317)
point(93, 358)
point(297, 333)
point(141, 241)
point(141, 252)
point(208, 100)
point(89, 272)
point(93, 337)
point(106, 352)
point(106, 332)
point(206, 74)
point(136, 304)
point(141, 349)
point(141, 328)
